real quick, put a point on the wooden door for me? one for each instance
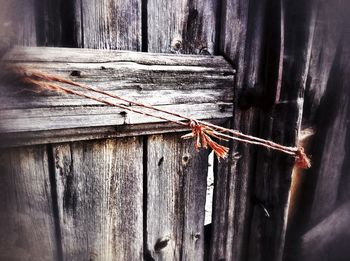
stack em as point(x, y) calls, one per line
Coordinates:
point(99, 215)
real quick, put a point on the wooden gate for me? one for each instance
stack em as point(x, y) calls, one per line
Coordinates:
point(87, 182)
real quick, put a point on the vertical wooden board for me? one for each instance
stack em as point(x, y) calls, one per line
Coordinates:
point(240, 41)
point(110, 24)
point(99, 187)
point(281, 124)
point(176, 190)
point(186, 26)
point(27, 228)
point(17, 24)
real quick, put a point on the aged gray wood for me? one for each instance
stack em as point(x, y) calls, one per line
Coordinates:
point(330, 115)
point(109, 24)
point(17, 24)
point(330, 169)
point(199, 87)
point(90, 133)
point(232, 179)
point(99, 191)
point(39, 119)
point(176, 188)
point(281, 124)
point(73, 55)
point(182, 26)
point(27, 229)
point(328, 240)
point(326, 110)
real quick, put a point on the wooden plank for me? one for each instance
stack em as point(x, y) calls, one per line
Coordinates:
point(109, 24)
point(331, 139)
point(199, 88)
point(27, 227)
point(282, 124)
point(90, 133)
point(182, 26)
point(176, 190)
point(241, 42)
point(99, 191)
point(325, 111)
point(62, 55)
point(40, 119)
point(17, 24)
point(328, 240)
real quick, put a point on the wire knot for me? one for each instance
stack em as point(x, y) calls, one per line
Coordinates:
point(301, 160)
point(203, 138)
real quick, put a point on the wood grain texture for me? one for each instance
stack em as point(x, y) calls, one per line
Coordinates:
point(331, 138)
point(326, 110)
point(27, 228)
point(109, 24)
point(182, 27)
point(17, 24)
point(99, 191)
point(176, 190)
point(241, 42)
point(281, 124)
point(328, 240)
point(197, 86)
point(90, 133)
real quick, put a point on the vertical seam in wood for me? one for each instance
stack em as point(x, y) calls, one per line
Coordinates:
point(144, 26)
point(55, 211)
point(82, 23)
point(146, 252)
point(218, 21)
point(182, 199)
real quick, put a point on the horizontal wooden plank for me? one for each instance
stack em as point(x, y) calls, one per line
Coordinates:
point(91, 133)
point(77, 55)
point(41, 119)
point(196, 86)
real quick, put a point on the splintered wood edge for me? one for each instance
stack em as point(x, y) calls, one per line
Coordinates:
point(8, 140)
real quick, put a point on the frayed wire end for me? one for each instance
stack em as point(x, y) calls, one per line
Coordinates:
point(202, 136)
point(302, 161)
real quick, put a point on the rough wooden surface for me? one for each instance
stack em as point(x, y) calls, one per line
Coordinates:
point(99, 193)
point(328, 240)
point(182, 26)
point(282, 124)
point(176, 190)
point(199, 87)
point(27, 226)
point(326, 110)
point(109, 24)
point(232, 179)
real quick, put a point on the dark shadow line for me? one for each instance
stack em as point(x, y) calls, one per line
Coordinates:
point(55, 211)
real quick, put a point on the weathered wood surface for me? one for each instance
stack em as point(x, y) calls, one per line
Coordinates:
point(27, 225)
point(329, 239)
point(282, 124)
point(199, 87)
point(241, 43)
point(185, 27)
point(326, 110)
point(176, 190)
point(266, 92)
point(99, 194)
point(182, 26)
point(108, 24)
point(329, 111)
point(17, 24)
point(91, 133)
